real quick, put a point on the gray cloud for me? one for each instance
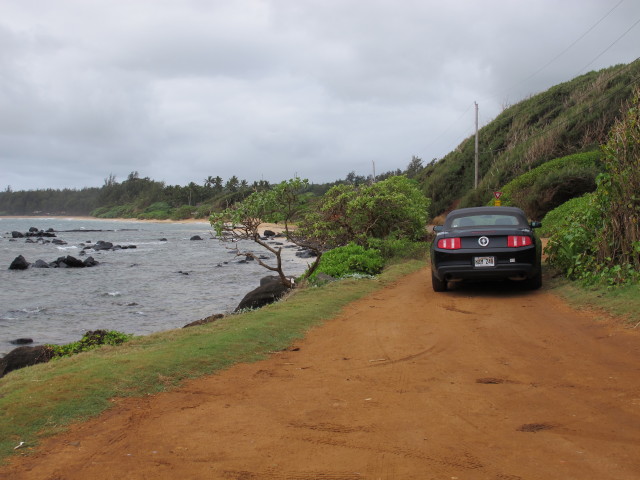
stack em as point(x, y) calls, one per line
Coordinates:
point(268, 89)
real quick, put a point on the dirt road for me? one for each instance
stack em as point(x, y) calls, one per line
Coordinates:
point(406, 384)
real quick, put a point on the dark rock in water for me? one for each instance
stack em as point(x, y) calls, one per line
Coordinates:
point(24, 357)
point(204, 321)
point(22, 341)
point(196, 237)
point(40, 264)
point(33, 229)
point(269, 233)
point(90, 262)
point(57, 241)
point(263, 295)
point(163, 240)
point(305, 253)
point(29, 240)
point(268, 279)
point(15, 234)
point(73, 262)
point(102, 245)
point(19, 263)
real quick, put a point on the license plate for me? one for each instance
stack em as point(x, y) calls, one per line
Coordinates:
point(485, 261)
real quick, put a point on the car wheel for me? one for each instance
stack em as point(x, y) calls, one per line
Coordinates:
point(438, 285)
point(535, 282)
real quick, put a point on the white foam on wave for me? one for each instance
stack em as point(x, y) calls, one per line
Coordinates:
point(28, 310)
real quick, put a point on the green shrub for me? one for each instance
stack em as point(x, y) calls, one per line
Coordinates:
point(570, 246)
point(204, 211)
point(182, 213)
point(118, 211)
point(89, 341)
point(349, 260)
point(557, 218)
point(575, 228)
point(158, 207)
point(553, 183)
point(398, 248)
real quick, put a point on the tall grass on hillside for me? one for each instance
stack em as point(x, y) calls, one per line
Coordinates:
point(598, 242)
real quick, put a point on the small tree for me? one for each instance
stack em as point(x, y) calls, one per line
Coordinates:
point(278, 205)
point(395, 207)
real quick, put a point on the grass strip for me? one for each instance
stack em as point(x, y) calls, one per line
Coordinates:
point(43, 400)
point(622, 302)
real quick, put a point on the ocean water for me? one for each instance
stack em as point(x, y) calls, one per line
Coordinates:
point(159, 285)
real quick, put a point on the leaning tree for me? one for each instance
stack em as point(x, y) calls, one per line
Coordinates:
point(280, 204)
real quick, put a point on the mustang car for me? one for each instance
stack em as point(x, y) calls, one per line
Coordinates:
point(486, 243)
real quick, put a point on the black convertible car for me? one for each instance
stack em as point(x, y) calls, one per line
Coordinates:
point(486, 243)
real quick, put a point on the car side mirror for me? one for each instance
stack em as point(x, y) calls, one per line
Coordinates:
point(535, 224)
point(437, 228)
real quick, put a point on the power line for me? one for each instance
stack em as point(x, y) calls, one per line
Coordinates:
point(614, 42)
point(602, 18)
point(566, 49)
point(602, 99)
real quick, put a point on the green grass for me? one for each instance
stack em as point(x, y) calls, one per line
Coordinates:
point(622, 302)
point(42, 400)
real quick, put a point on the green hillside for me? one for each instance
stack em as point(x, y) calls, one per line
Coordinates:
point(569, 118)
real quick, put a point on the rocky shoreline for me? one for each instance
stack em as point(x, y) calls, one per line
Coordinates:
point(270, 289)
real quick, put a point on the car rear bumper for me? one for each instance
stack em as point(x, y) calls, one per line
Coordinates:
point(516, 271)
point(519, 263)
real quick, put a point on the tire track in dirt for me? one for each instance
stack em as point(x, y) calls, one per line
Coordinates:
point(482, 382)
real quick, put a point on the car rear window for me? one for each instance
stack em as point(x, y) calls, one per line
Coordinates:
point(484, 221)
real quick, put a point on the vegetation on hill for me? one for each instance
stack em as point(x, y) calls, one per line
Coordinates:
point(569, 118)
point(597, 239)
point(389, 216)
point(553, 183)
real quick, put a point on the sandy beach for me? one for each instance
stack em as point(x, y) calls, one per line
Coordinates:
point(265, 226)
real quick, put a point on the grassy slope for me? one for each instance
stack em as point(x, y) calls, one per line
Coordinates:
point(568, 118)
point(621, 302)
point(41, 400)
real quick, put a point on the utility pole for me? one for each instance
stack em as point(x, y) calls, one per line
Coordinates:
point(374, 171)
point(475, 185)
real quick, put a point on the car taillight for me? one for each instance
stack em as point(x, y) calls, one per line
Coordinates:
point(449, 243)
point(518, 241)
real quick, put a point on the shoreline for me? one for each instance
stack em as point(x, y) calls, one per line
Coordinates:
point(264, 226)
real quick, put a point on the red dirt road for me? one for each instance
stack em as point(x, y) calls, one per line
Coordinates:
point(405, 384)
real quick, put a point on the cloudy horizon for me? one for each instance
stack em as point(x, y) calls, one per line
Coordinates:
point(270, 89)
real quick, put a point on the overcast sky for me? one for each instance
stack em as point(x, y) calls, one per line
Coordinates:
point(268, 89)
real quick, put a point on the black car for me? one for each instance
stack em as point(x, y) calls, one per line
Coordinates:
point(486, 243)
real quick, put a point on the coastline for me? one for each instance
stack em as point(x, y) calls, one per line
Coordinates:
point(265, 226)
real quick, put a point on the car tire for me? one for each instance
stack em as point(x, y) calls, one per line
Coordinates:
point(438, 285)
point(535, 282)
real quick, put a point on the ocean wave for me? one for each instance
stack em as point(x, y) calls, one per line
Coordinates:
point(112, 294)
point(29, 310)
